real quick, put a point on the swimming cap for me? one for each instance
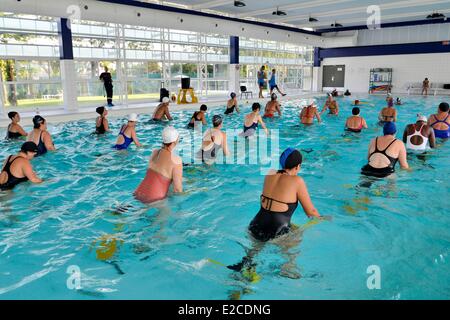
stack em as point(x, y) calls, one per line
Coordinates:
point(273, 96)
point(311, 102)
point(133, 117)
point(232, 95)
point(217, 120)
point(290, 158)
point(421, 118)
point(389, 128)
point(444, 107)
point(355, 111)
point(165, 100)
point(37, 121)
point(100, 110)
point(29, 146)
point(170, 134)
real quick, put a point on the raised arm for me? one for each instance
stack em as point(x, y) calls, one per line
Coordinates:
point(305, 200)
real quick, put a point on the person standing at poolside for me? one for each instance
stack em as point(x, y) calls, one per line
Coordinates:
point(127, 134)
point(106, 78)
point(101, 123)
point(18, 169)
point(261, 81)
point(164, 168)
point(355, 123)
point(272, 106)
point(425, 86)
point(310, 112)
point(252, 120)
point(388, 114)
point(15, 130)
point(440, 122)
point(40, 136)
point(384, 152)
point(162, 111)
point(232, 104)
point(332, 105)
point(419, 136)
point(273, 83)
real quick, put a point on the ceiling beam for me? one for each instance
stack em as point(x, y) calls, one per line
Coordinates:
point(363, 9)
point(295, 6)
point(318, 25)
point(211, 4)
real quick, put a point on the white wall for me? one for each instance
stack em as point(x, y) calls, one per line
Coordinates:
point(406, 69)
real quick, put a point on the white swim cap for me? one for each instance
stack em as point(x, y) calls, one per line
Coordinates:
point(170, 134)
point(422, 118)
point(133, 117)
point(311, 102)
point(165, 100)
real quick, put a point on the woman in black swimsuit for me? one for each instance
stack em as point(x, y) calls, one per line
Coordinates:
point(15, 131)
point(101, 124)
point(198, 116)
point(40, 136)
point(17, 169)
point(282, 192)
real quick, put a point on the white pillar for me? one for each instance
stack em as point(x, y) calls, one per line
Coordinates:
point(2, 101)
point(234, 78)
point(69, 84)
point(317, 79)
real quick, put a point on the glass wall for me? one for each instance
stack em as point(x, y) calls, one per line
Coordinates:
point(293, 63)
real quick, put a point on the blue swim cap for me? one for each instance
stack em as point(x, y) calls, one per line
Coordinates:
point(389, 128)
point(290, 158)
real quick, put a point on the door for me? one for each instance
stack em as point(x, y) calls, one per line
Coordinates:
point(333, 76)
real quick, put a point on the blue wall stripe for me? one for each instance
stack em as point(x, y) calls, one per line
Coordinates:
point(234, 50)
point(317, 59)
point(394, 49)
point(386, 25)
point(208, 15)
point(65, 39)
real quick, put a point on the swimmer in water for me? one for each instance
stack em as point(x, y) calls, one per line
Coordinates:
point(310, 112)
point(18, 169)
point(251, 121)
point(40, 136)
point(15, 130)
point(388, 114)
point(101, 124)
point(214, 140)
point(332, 105)
point(198, 116)
point(398, 101)
point(282, 192)
point(232, 104)
point(355, 123)
point(165, 168)
point(440, 122)
point(384, 152)
point(162, 111)
point(347, 93)
point(419, 136)
point(272, 106)
point(127, 134)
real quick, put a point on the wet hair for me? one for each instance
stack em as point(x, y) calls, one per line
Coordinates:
point(444, 107)
point(256, 106)
point(29, 146)
point(12, 114)
point(37, 121)
point(273, 97)
point(217, 120)
point(355, 111)
point(203, 107)
point(233, 95)
point(100, 110)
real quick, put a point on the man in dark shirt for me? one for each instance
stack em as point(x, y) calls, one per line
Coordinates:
point(107, 82)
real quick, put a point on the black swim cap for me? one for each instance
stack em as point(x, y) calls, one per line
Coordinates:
point(355, 111)
point(100, 110)
point(256, 106)
point(29, 146)
point(233, 95)
point(290, 158)
point(12, 114)
point(444, 107)
point(37, 121)
point(203, 107)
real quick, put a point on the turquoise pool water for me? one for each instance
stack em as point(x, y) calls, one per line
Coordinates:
point(398, 224)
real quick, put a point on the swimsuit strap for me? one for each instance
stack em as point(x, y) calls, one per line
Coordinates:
point(384, 151)
point(442, 121)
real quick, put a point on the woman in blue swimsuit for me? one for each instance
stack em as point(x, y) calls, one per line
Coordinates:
point(441, 120)
point(127, 134)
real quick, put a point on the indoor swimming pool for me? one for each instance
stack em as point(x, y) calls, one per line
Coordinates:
point(84, 216)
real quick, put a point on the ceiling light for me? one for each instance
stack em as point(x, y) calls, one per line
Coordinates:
point(239, 4)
